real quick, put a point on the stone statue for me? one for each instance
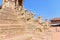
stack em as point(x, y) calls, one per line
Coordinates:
point(46, 25)
point(30, 17)
point(40, 19)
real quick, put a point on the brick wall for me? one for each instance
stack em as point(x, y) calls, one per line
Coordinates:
point(55, 33)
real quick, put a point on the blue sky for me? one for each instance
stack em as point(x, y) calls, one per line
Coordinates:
point(47, 8)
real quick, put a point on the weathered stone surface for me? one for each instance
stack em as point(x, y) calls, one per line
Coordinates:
point(16, 23)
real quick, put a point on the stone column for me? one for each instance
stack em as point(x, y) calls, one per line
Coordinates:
point(16, 2)
point(22, 3)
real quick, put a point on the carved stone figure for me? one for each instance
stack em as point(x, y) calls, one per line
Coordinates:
point(30, 17)
point(46, 26)
point(40, 19)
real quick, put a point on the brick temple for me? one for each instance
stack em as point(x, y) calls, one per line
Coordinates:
point(55, 26)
